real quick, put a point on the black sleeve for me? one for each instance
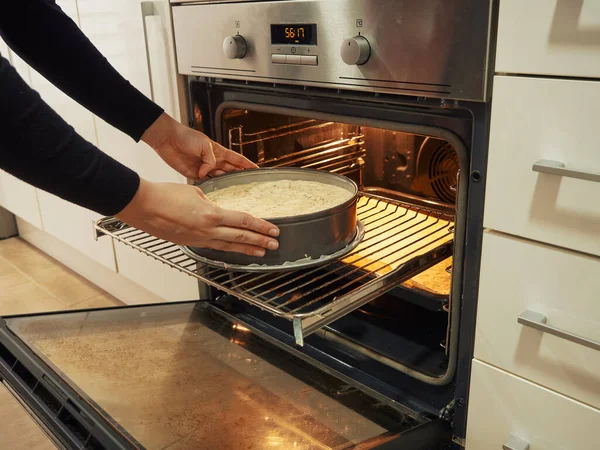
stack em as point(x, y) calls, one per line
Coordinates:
point(39, 147)
point(50, 42)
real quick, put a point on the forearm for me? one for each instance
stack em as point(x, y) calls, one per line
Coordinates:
point(39, 147)
point(46, 38)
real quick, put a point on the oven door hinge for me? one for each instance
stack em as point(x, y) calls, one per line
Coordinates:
point(459, 441)
point(447, 412)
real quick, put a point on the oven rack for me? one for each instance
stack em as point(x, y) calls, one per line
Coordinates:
point(337, 156)
point(401, 240)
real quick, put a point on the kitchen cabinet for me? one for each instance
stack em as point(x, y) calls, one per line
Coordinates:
point(117, 29)
point(74, 225)
point(19, 198)
point(545, 122)
point(155, 276)
point(502, 406)
point(15, 195)
point(4, 49)
point(521, 278)
point(63, 220)
point(534, 380)
point(549, 37)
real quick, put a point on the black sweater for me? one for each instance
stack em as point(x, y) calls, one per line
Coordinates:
point(36, 144)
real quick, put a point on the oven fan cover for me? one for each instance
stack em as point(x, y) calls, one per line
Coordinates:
point(437, 169)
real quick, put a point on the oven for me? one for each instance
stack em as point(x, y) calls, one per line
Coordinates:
point(394, 95)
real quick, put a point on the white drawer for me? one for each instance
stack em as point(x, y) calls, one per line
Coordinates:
point(517, 276)
point(549, 37)
point(540, 119)
point(502, 405)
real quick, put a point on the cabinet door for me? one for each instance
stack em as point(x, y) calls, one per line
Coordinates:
point(502, 405)
point(116, 27)
point(519, 276)
point(68, 222)
point(549, 37)
point(538, 125)
point(15, 195)
point(168, 88)
point(4, 49)
point(20, 199)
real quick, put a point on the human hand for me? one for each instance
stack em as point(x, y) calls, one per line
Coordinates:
point(182, 214)
point(190, 152)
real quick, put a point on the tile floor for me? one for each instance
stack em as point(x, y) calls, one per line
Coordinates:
point(31, 281)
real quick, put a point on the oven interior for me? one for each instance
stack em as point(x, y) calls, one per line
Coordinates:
point(406, 328)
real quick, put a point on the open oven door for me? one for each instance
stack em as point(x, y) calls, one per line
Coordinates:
point(183, 375)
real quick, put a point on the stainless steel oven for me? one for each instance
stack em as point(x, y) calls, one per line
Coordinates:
point(391, 93)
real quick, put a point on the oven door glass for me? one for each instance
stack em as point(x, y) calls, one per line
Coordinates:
point(181, 376)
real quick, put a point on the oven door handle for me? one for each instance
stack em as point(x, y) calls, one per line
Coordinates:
point(148, 11)
point(539, 321)
point(558, 168)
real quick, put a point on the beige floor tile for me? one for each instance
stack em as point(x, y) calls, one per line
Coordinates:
point(65, 285)
point(6, 268)
point(101, 301)
point(17, 428)
point(10, 277)
point(31, 281)
point(26, 297)
point(24, 256)
point(7, 246)
point(60, 281)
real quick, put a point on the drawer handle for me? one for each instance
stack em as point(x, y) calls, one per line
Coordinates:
point(539, 321)
point(558, 168)
point(515, 443)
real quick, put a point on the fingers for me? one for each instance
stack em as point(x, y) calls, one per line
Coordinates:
point(227, 167)
point(243, 220)
point(234, 159)
point(222, 168)
point(237, 248)
point(216, 173)
point(208, 160)
point(247, 237)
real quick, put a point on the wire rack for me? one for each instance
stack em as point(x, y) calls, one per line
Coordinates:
point(337, 156)
point(400, 241)
point(340, 155)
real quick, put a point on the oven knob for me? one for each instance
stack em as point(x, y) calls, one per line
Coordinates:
point(355, 50)
point(235, 47)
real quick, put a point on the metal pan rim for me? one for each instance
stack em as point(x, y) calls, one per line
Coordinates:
point(254, 268)
point(300, 217)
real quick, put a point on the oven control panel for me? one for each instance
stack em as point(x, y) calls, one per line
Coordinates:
point(355, 50)
point(235, 47)
point(298, 60)
point(430, 48)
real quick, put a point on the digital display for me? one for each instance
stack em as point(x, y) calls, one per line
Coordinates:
point(294, 34)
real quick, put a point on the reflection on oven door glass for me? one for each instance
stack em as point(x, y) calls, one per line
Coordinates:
point(174, 376)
